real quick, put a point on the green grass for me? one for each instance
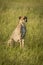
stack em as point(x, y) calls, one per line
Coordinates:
point(10, 10)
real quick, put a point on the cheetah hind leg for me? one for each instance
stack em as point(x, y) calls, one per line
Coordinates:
point(10, 42)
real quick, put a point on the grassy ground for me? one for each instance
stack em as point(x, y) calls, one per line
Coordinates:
point(32, 54)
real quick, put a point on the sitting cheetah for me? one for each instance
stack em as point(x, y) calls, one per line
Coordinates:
point(19, 32)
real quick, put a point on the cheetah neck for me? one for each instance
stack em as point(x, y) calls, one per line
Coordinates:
point(22, 22)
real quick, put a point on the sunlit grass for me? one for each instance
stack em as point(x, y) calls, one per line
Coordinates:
point(32, 53)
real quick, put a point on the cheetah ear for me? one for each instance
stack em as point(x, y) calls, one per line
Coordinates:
point(19, 17)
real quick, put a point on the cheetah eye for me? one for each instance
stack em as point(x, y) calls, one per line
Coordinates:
point(25, 18)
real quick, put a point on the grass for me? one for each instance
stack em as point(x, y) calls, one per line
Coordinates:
point(32, 54)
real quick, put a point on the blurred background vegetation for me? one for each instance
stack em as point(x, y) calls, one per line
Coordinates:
point(10, 10)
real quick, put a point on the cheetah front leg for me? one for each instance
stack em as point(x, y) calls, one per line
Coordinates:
point(22, 43)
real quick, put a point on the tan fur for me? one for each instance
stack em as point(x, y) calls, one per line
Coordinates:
point(16, 35)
